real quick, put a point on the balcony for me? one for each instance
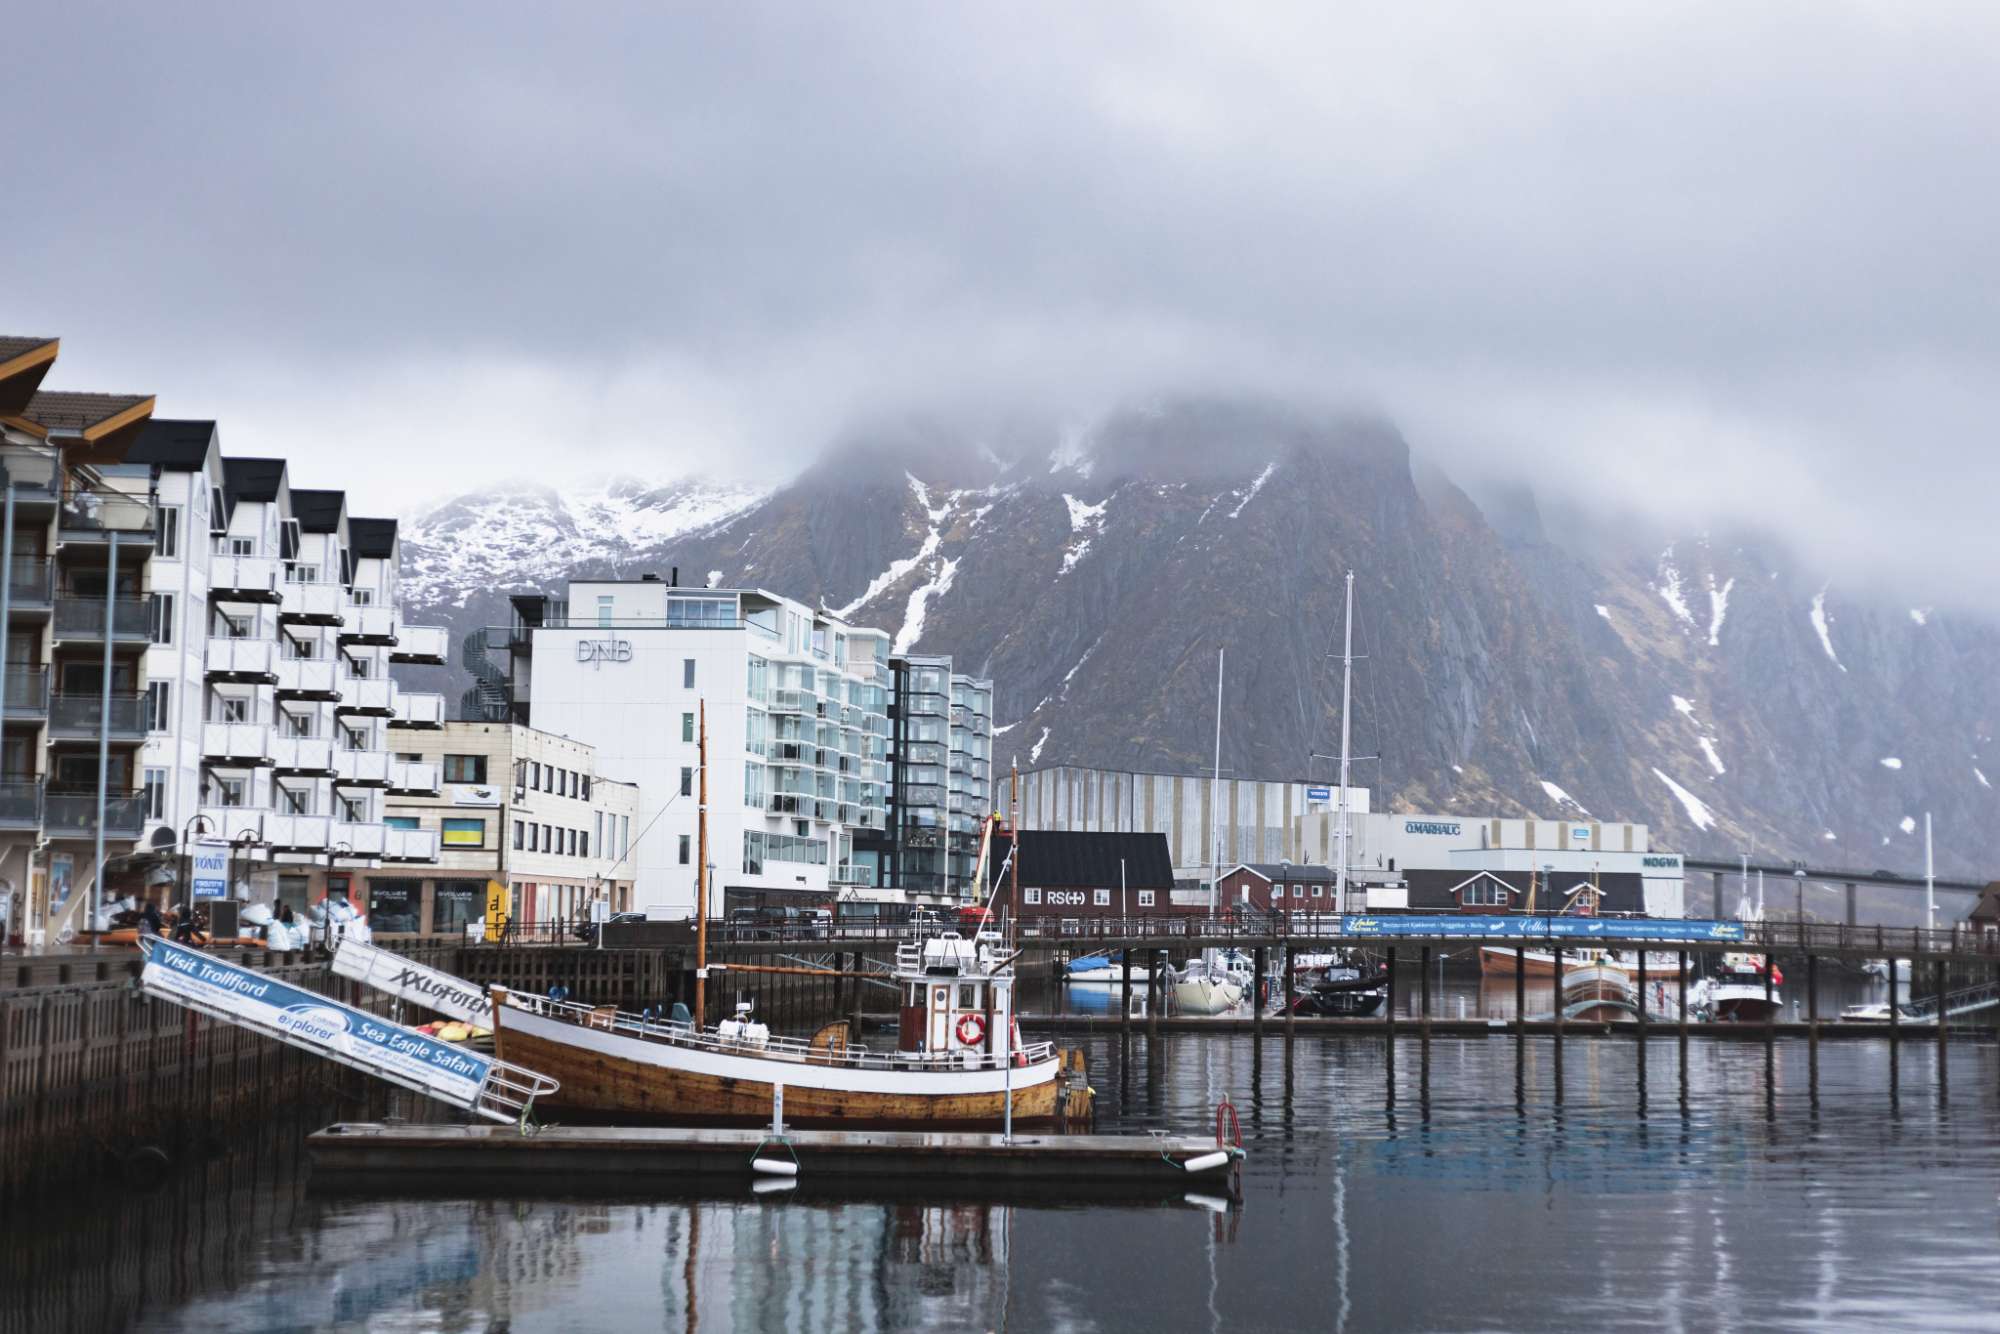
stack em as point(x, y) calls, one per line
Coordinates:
point(307, 678)
point(413, 778)
point(245, 745)
point(312, 603)
point(31, 585)
point(70, 813)
point(366, 697)
point(244, 661)
point(792, 701)
point(302, 757)
point(93, 516)
point(20, 803)
point(410, 845)
point(245, 579)
point(82, 619)
point(364, 838)
point(34, 473)
point(27, 693)
point(361, 768)
point(849, 874)
point(429, 645)
point(369, 625)
point(418, 709)
point(82, 717)
point(788, 803)
point(266, 827)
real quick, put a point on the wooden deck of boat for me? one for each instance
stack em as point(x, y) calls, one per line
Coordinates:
point(354, 1152)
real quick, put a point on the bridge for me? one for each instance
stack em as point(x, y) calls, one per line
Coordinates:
point(1780, 878)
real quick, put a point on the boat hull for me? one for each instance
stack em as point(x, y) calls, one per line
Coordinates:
point(1598, 993)
point(1203, 996)
point(1494, 959)
point(607, 1073)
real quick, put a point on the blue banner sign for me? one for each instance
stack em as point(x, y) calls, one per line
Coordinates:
point(317, 1023)
point(209, 867)
point(1435, 925)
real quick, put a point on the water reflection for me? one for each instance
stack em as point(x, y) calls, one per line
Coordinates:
point(1454, 1183)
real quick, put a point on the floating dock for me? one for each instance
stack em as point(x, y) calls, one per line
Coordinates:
point(354, 1153)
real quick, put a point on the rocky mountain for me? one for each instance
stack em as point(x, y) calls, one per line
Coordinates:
point(1700, 683)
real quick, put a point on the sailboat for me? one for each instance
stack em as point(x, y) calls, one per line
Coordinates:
point(958, 1061)
point(1204, 986)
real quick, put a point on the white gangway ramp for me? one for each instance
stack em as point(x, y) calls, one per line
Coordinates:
point(420, 984)
point(264, 1004)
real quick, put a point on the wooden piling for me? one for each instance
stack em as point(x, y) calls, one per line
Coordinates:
point(1943, 1028)
point(1558, 955)
point(1424, 989)
point(1642, 991)
point(1391, 999)
point(1521, 993)
point(1125, 991)
point(1895, 1010)
point(1681, 963)
point(1812, 1000)
point(1262, 957)
point(1291, 990)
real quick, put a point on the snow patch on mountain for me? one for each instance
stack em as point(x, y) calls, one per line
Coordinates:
point(1718, 609)
point(526, 535)
point(1671, 589)
point(1908, 824)
point(1980, 776)
point(1255, 487)
point(1920, 615)
point(1035, 751)
point(1820, 620)
point(1082, 519)
point(1602, 610)
point(1891, 762)
point(1707, 744)
point(1072, 453)
point(1697, 809)
point(892, 576)
point(920, 600)
point(1556, 794)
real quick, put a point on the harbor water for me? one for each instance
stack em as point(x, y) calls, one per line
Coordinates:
point(1450, 1185)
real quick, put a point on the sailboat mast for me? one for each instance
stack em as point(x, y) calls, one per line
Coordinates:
point(1930, 881)
point(1215, 796)
point(701, 881)
point(1346, 699)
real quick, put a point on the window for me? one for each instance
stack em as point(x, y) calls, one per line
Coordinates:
point(604, 605)
point(583, 790)
point(300, 650)
point(465, 769)
point(1277, 891)
point(454, 903)
point(350, 739)
point(231, 708)
point(354, 810)
point(227, 791)
point(520, 836)
point(687, 727)
point(534, 837)
point(1484, 894)
point(572, 842)
point(167, 542)
point(360, 668)
point(687, 673)
point(1101, 897)
point(534, 776)
point(582, 843)
point(1145, 898)
point(156, 794)
point(302, 574)
point(395, 906)
point(687, 781)
point(242, 546)
point(1032, 897)
point(1316, 891)
point(362, 597)
point(548, 839)
point(298, 724)
point(160, 616)
point(159, 706)
point(401, 822)
point(463, 833)
point(296, 801)
point(687, 845)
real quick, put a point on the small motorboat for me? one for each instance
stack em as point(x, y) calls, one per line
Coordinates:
point(1106, 967)
point(1743, 991)
point(1876, 1012)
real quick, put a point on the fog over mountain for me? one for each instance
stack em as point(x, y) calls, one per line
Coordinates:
point(1709, 682)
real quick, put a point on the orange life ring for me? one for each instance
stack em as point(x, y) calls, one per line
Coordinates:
point(971, 1030)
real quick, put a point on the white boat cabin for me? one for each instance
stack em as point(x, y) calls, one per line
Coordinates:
point(957, 999)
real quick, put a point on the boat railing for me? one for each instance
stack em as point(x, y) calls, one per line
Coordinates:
point(798, 1050)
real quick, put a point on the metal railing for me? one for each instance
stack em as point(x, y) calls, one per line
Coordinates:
point(73, 814)
point(78, 715)
point(31, 581)
point(81, 616)
point(27, 691)
point(20, 802)
point(100, 511)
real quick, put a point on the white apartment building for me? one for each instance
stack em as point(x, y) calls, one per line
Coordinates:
point(522, 807)
point(269, 711)
point(798, 727)
point(78, 532)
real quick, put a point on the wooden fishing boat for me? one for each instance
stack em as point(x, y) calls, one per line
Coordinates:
point(957, 1057)
point(1598, 990)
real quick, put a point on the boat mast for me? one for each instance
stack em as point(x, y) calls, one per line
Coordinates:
point(1930, 888)
point(1215, 797)
point(701, 879)
point(1346, 699)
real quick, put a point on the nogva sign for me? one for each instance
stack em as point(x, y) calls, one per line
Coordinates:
point(1660, 863)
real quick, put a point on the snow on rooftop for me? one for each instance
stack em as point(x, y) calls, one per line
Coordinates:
point(1718, 609)
point(1819, 620)
point(1908, 824)
point(1255, 487)
point(1714, 760)
point(1697, 809)
point(1557, 795)
point(1891, 762)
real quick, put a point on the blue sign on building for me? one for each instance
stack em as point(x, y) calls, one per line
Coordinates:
point(1435, 925)
point(1319, 794)
point(209, 873)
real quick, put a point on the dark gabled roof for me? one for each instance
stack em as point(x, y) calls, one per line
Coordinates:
point(1288, 872)
point(1988, 907)
point(23, 364)
point(79, 413)
point(20, 345)
point(372, 537)
point(318, 511)
point(1063, 859)
point(175, 444)
point(252, 479)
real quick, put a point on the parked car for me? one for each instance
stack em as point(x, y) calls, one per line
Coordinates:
point(816, 923)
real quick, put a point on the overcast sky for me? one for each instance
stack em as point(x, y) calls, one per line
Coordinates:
point(1713, 261)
